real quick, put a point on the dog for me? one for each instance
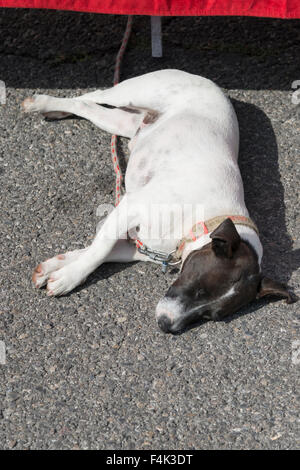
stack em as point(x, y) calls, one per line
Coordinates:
point(184, 142)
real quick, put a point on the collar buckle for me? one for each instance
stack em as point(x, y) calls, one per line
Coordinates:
point(159, 256)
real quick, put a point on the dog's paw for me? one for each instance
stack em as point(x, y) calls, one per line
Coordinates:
point(39, 277)
point(44, 270)
point(34, 103)
point(64, 280)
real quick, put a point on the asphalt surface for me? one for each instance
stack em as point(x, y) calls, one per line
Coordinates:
point(91, 370)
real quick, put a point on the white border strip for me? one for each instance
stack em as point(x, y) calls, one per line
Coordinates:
point(2, 92)
point(2, 353)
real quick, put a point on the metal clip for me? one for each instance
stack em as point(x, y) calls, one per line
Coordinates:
point(159, 256)
point(164, 267)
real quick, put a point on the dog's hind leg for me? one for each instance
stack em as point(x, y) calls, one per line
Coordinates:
point(154, 91)
point(115, 121)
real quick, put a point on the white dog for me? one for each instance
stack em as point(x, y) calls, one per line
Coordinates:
point(184, 148)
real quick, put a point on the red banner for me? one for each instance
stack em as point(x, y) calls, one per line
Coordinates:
point(267, 8)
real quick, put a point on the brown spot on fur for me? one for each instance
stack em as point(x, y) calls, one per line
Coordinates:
point(38, 269)
point(49, 291)
point(150, 117)
point(36, 273)
point(142, 163)
point(148, 177)
point(34, 277)
point(60, 256)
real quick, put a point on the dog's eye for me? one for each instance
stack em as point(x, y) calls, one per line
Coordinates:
point(238, 278)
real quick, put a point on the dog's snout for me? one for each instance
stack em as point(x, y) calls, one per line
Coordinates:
point(168, 312)
point(164, 323)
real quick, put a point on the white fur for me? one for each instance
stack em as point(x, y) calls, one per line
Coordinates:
point(188, 156)
point(246, 233)
point(173, 309)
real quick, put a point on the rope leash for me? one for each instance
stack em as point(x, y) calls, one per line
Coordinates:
point(114, 154)
point(159, 256)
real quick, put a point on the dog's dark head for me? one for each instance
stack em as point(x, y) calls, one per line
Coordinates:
point(215, 281)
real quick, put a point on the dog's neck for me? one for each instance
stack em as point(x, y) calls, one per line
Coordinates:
point(246, 233)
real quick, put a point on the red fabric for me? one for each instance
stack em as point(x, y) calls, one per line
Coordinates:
point(268, 8)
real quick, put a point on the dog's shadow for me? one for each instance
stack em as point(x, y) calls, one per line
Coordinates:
point(264, 192)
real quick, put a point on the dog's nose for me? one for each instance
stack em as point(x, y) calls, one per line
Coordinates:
point(164, 323)
point(168, 312)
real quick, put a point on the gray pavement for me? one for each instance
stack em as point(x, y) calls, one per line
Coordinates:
point(91, 370)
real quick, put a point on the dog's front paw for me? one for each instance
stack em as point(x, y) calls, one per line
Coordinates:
point(44, 270)
point(39, 276)
point(64, 280)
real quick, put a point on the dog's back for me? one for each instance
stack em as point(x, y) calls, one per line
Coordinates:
point(189, 153)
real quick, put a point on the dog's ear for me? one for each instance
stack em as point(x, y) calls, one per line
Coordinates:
point(269, 287)
point(225, 239)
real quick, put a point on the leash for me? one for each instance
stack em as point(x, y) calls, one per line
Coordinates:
point(166, 259)
point(158, 256)
point(114, 153)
